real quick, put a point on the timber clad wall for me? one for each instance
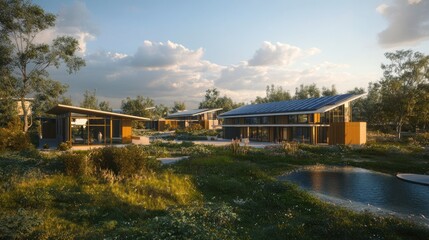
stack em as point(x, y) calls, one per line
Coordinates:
point(347, 133)
point(126, 131)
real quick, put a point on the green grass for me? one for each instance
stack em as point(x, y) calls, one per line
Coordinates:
point(220, 196)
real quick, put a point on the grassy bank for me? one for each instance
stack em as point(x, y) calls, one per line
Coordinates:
point(213, 195)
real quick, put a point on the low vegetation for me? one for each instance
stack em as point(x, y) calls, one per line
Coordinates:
point(218, 193)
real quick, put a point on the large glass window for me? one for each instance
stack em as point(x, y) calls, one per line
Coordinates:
point(303, 118)
point(92, 130)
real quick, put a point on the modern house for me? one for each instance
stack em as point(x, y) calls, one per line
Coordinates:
point(205, 117)
point(83, 126)
point(325, 120)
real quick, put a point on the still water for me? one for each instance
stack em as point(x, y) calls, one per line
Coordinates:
point(363, 186)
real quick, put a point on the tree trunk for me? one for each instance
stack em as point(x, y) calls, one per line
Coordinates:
point(398, 130)
point(27, 125)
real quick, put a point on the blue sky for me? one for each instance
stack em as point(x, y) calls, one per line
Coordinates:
point(175, 50)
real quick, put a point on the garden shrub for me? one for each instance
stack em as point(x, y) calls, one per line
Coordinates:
point(290, 148)
point(76, 164)
point(64, 146)
point(124, 161)
point(196, 150)
point(422, 138)
point(12, 138)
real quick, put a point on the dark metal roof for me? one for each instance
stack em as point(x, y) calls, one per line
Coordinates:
point(193, 112)
point(291, 106)
point(62, 109)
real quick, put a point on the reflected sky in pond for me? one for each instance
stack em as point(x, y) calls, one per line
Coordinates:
point(367, 187)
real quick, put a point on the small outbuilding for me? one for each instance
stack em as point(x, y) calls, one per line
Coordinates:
point(83, 126)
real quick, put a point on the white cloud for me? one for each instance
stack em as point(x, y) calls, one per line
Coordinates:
point(414, 1)
point(72, 21)
point(168, 72)
point(160, 55)
point(408, 22)
point(278, 54)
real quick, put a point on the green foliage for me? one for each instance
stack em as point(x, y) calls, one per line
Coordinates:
point(290, 148)
point(304, 91)
point(210, 221)
point(196, 150)
point(178, 106)
point(138, 106)
point(89, 100)
point(19, 224)
point(212, 99)
point(124, 161)
point(64, 146)
point(76, 164)
point(105, 106)
point(422, 138)
point(329, 92)
point(13, 139)
point(402, 85)
point(274, 94)
point(237, 149)
point(27, 61)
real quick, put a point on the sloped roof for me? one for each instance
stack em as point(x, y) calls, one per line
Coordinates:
point(61, 109)
point(193, 112)
point(311, 105)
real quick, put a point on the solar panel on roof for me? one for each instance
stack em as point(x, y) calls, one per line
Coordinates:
point(303, 105)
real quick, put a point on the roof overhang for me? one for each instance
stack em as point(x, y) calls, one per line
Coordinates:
point(63, 109)
point(192, 114)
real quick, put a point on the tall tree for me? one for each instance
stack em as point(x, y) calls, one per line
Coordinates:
point(89, 100)
point(105, 106)
point(273, 94)
point(20, 22)
point(178, 106)
point(48, 95)
point(329, 92)
point(141, 106)
point(402, 75)
point(212, 99)
point(307, 91)
point(159, 111)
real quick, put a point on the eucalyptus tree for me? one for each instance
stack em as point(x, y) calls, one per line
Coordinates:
point(178, 106)
point(307, 91)
point(212, 99)
point(400, 91)
point(273, 94)
point(29, 61)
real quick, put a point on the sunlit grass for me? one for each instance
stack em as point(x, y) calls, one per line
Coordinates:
point(219, 196)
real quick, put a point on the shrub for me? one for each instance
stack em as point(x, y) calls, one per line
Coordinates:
point(422, 138)
point(13, 139)
point(64, 146)
point(197, 150)
point(76, 164)
point(125, 161)
point(290, 148)
point(237, 149)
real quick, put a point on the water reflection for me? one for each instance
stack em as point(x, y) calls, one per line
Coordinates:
point(366, 187)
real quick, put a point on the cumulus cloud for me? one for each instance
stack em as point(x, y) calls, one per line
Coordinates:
point(278, 54)
point(168, 72)
point(165, 72)
point(75, 21)
point(408, 22)
point(160, 55)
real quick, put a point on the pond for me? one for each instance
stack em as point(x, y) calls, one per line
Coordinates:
point(364, 186)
